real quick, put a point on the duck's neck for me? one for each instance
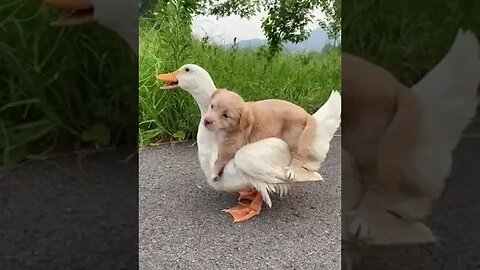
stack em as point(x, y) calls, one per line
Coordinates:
point(203, 95)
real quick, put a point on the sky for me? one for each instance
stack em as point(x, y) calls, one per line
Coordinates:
point(225, 29)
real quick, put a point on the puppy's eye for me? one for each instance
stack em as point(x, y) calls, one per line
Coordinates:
point(211, 106)
point(225, 115)
point(187, 69)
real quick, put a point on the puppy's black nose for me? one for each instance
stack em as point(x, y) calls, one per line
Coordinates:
point(207, 121)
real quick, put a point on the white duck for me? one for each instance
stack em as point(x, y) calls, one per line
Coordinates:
point(258, 168)
point(447, 98)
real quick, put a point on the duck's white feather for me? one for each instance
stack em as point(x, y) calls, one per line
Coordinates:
point(262, 165)
point(328, 120)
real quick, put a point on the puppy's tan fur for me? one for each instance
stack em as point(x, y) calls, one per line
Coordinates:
point(238, 123)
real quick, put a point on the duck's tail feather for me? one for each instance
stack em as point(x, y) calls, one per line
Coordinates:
point(328, 121)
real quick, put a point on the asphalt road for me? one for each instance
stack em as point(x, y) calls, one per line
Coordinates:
point(182, 226)
point(45, 208)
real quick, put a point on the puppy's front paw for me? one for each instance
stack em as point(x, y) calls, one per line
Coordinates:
point(289, 173)
point(216, 176)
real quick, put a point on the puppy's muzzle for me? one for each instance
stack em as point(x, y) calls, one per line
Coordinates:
point(207, 122)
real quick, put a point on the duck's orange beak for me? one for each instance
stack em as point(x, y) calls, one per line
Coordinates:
point(78, 12)
point(170, 79)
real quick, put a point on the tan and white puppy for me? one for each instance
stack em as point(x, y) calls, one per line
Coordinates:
point(237, 123)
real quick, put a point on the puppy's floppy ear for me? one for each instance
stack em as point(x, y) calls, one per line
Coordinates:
point(215, 93)
point(246, 119)
point(218, 91)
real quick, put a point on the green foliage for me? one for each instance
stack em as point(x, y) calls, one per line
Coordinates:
point(56, 84)
point(286, 21)
point(305, 79)
point(333, 18)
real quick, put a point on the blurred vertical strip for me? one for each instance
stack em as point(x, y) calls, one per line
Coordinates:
point(411, 142)
point(68, 135)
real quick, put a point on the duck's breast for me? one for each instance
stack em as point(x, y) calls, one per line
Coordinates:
point(207, 148)
point(207, 154)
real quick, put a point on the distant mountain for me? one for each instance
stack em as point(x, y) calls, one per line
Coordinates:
point(316, 41)
point(250, 43)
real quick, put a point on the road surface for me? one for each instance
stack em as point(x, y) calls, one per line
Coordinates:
point(182, 225)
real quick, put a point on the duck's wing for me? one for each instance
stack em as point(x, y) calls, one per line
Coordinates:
point(262, 164)
point(448, 98)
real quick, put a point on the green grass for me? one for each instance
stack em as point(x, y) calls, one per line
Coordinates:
point(305, 79)
point(61, 89)
point(406, 37)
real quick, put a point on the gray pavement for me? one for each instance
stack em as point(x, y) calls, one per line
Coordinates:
point(182, 226)
point(46, 206)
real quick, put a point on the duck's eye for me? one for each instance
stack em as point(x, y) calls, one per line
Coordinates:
point(187, 69)
point(225, 115)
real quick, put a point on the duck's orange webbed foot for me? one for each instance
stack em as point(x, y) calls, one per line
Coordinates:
point(245, 211)
point(247, 195)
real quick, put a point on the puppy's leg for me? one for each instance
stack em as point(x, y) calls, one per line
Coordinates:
point(226, 152)
point(218, 167)
point(300, 152)
point(304, 143)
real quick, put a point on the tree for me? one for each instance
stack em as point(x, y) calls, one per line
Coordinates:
point(286, 19)
point(332, 22)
